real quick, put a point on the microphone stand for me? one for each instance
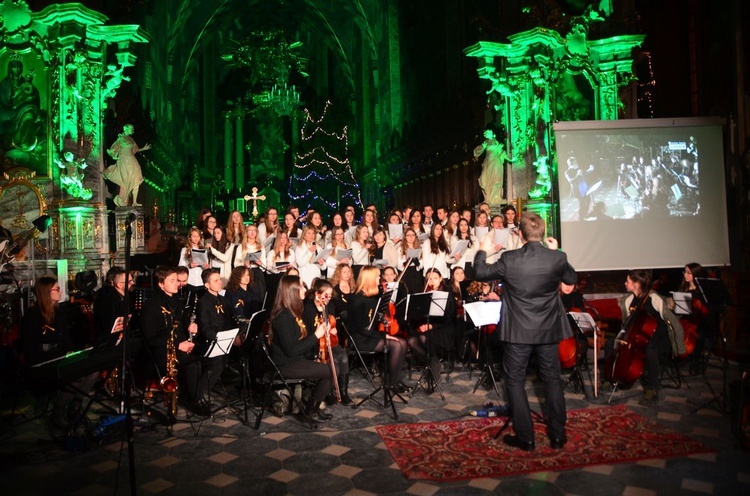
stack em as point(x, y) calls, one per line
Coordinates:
point(125, 367)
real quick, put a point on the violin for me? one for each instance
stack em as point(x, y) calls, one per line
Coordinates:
point(327, 342)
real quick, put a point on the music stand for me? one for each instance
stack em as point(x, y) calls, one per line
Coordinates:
point(484, 313)
point(418, 306)
point(219, 347)
point(715, 294)
point(388, 393)
point(582, 322)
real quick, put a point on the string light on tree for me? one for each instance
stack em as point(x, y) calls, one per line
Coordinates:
point(322, 177)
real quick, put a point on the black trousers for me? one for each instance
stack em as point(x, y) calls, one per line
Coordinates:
point(307, 369)
point(200, 376)
point(515, 360)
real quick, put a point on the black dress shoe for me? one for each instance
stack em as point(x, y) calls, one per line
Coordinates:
point(515, 442)
point(557, 443)
point(320, 416)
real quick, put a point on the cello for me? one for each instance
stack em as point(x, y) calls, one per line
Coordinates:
point(625, 364)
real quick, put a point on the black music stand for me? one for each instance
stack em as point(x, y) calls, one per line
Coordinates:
point(480, 319)
point(576, 377)
point(418, 306)
point(388, 393)
point(252, 330)
point(716, 296)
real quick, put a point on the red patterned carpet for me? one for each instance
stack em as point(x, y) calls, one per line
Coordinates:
point(464, 449)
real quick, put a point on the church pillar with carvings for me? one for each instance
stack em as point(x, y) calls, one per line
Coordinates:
point(239, 152)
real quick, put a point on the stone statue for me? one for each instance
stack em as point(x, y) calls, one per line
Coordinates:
point(72, 180)
point(126, 173)
point(491, 179)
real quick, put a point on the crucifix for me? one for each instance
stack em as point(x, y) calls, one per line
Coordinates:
point(254, 197)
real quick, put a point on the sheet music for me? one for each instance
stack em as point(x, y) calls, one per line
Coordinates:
point(343, 254)
point(199, 256)
point(460, 247)
point(414, 253)
point(439, 303)
point(480, 232)
point(254, 258)
point(421, 237)
point(396, 231)
point(584, 320)
point(380, 263)
point(683, 303)
point(392, 286)
point(500, 236)
point(268, 243)
point(222, 344)
point(322, 255)
point(484, 312)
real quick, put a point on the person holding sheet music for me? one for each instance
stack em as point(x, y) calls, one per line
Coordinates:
point(220, 253)
point(481, 225)
point(315, 221)
point(365, 333)
point(317, 308)
point(464, 260)
point(194, 242)
point(360, 249)
point(338, 248)
point(413, 279)
point(46, 331)
point(242, 294)
point(252, 254)
point(533, 321)
point(282, 256)
point(292, 342)
point(270, 225)
point(435, 251)
point(395, 227)
point(382, 248)
point(214, 315)
point(308, 262)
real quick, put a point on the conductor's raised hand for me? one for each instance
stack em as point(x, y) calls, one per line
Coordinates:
point(551, 243)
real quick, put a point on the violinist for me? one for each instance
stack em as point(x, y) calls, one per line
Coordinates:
point(363, 305)
point(317, 310)
point(293, 343)
point(667, 339)
point(395, 318)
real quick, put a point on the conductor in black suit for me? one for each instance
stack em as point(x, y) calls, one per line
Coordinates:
point(532, 320)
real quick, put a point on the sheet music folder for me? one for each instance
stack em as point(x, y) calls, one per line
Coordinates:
point(420, 305)
point(222, 344)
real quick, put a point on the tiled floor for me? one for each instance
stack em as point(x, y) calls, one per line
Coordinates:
point(346, 456)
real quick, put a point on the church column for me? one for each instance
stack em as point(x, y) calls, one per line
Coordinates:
point(608, 96)
point(239, 144)
point(228, 182)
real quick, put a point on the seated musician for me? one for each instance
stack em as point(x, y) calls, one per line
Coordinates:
point(292, 342)
point(362, 306)
point(109, 305)
point(163, 318)
point(241, 294)
point(343, 287)
point(437, 334)
point(705, 318)
point(214, 315)
point(46, 335)
point(317, 308)
point(668, 337)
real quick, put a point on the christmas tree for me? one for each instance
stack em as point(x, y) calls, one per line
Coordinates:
point(322, 177)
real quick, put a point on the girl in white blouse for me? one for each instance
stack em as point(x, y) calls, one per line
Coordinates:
point(435, 251)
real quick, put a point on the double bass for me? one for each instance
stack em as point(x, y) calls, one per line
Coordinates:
point(626, 362)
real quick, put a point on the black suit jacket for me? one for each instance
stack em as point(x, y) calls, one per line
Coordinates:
point(532, 311)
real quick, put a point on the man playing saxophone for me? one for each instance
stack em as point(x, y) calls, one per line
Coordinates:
point(164, 320)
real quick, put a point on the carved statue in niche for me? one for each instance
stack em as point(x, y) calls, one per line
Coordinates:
point(72, 180)
point(22, 120)
point(126, 173)
point(495, 156)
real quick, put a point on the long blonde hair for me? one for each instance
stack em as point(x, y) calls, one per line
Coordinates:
point(367, 281)
point(189, 245)
point(230, 228)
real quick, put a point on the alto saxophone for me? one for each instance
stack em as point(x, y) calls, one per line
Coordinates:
point(169, 384)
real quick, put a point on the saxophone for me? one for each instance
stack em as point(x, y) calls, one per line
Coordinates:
point(169, 383)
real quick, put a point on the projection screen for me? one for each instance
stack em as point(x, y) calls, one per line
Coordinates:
point(642, 193)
